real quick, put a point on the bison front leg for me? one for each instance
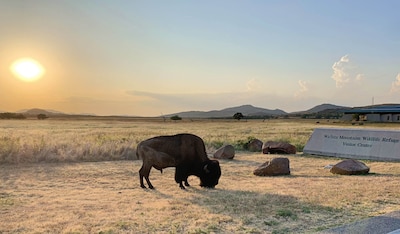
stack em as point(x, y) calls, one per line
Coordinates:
point(180, 177)
point(186, 182)
point(145, 172)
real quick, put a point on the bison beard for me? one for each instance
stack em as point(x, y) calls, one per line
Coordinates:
point(185, 152)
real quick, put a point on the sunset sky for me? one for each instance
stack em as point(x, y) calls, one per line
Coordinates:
point(148, 58)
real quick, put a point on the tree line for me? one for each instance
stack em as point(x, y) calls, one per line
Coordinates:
point(10, 115)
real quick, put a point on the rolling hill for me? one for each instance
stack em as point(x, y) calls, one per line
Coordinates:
point(246, 110)
point(37, 111)
point(322, 108)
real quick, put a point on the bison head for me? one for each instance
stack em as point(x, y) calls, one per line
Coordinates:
point(210, 174)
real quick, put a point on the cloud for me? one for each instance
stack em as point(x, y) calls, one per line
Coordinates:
point(396, 85)
point(340, 74)
point(303, 88)
point(344, 72)
point(252, 85)
point(360, 77)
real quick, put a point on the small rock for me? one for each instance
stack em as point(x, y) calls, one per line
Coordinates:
point(275, 167)
point(273, 147)
point(350, 167)
point(254, 145)
point(225, 152)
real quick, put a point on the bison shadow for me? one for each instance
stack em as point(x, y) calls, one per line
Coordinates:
point(248, 206)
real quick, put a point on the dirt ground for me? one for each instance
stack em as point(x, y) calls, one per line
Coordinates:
point(105, 197)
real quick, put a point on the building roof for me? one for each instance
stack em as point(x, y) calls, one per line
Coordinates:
point(385, 109)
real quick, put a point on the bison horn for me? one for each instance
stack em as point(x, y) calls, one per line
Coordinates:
point(206, 169)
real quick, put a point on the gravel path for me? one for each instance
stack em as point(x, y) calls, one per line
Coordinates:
point(385, 224)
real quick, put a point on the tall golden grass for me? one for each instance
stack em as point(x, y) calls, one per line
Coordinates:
point(71, 196)
point(27, 141)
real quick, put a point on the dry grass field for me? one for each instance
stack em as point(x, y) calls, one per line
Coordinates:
point(64, 176)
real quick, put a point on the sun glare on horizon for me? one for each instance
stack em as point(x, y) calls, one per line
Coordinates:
point(27, 69)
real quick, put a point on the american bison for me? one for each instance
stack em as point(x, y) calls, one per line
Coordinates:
point(185, 152)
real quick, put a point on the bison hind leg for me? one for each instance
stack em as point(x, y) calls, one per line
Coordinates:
point(148, 182)
point(141, 177)
point(141, 181)
point(144, 172)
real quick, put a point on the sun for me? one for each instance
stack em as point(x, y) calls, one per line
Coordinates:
point(27, 69)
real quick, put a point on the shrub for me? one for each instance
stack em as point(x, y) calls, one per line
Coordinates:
point(238, 116)
point(243, 144)
point(176, 117)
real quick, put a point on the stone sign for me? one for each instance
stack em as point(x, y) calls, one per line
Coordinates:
point(370, 144)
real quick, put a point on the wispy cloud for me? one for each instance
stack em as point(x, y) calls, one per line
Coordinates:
point(360, 77)
point(252, 85)
point(396, 85)
point(303, 88)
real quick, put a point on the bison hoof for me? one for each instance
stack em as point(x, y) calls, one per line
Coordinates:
point(182, 187)
point(142, 186)
point(151, 187)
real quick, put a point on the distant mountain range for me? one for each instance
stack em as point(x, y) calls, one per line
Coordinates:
point(322, 108)
point(251, 111)
point(37, 111)
point(246, 110)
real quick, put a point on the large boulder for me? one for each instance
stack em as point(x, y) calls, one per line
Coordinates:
point(350, 167)
point(275, 167)
point(225, 152)
point(274, 147)
point(254, 145)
